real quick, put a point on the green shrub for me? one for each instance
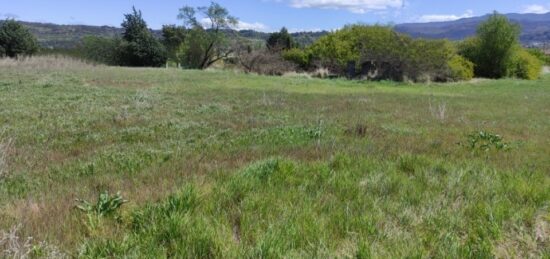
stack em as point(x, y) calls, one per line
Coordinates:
point(482, 141)
point(460, 69)
point(101, 50)
point(300, 57)
point(526, 66)
point(379, 53)
point(543, 57)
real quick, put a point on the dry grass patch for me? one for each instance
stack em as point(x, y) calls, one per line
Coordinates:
point(50, 62)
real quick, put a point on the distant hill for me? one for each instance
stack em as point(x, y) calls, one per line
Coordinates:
point(535, 28)
point(68, 36)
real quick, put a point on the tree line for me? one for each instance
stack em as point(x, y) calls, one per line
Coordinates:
point(355, 51)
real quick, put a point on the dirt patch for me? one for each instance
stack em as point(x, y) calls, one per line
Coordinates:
point(546, 70)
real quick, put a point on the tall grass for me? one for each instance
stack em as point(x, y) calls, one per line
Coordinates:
point(50, 62)
point(347, 207)
point(6, 151)
point(221, 164)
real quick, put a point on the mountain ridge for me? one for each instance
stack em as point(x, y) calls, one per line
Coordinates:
point(535, 28)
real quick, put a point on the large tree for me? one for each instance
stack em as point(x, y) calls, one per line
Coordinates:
point(16, 40)
point(497, 40)
point(139, 47)
point(206, 43)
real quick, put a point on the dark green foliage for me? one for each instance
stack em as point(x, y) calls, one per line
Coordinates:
point(16, 40)
point(172, 38)
point(492, 50)
point(280, 41)
point(100, 49)
point(134, 26)
point(139, 48)
point(497, 39)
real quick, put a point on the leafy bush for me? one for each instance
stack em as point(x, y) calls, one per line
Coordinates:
point(377, 52)
point(543, 57)
point(300, 57)
point(526, 66)
point(16, 40)
point(485, 141)
point(144, 52)
point(101, 50)
point(460, 68)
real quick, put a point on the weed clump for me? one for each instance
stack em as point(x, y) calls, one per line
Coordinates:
point(482, 141)
point(106, 204)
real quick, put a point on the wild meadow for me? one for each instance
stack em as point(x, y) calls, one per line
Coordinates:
point(110, 162)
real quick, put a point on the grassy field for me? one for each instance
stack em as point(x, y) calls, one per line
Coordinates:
point(223, 164)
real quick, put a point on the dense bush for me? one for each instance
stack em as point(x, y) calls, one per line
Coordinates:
point(300, 57)
point(378, 52)
point(460, 68)
point(16, 40)
point(545, 58)
point(137, 47)
point(525, 65)
point(101, 50)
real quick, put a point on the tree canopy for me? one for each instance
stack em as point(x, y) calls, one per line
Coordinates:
point(16, 40)
point(207, 42)
point(280, 41)
point(139, 47)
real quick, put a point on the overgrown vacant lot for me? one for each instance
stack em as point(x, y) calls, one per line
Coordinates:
point(222, 164)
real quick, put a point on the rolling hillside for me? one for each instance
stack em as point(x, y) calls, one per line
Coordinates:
point(68, 36)
point(535, 28)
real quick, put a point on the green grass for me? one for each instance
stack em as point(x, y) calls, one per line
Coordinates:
point(223, 164)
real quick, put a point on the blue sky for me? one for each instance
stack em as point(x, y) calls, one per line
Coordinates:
point(267, 15)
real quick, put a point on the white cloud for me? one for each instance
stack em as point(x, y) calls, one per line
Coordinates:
point(256, 26)
point(535, 8)
point(355, 6)
point(252, 26)
point(445, 17)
